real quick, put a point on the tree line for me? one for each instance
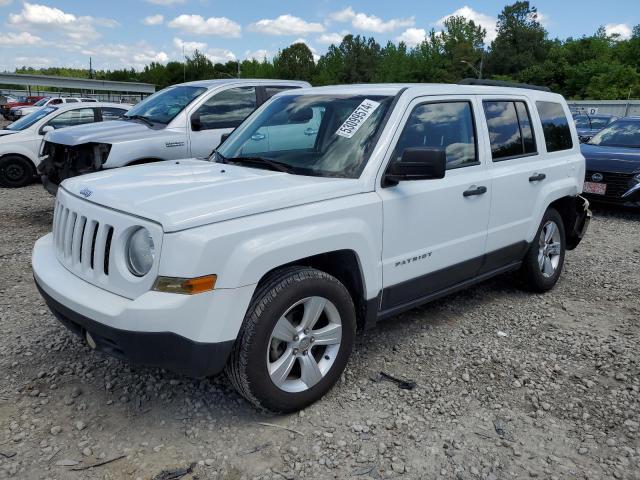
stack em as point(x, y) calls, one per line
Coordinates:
point(598, 66)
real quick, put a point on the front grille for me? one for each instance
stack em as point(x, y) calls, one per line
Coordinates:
point(617, 184)
point(81, 242)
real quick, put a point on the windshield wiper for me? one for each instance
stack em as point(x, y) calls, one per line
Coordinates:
point(140, 117)
point(261, 162)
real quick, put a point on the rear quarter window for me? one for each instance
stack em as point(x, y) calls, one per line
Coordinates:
point(555, 125)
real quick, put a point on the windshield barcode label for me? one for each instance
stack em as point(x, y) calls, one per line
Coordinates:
point(352, 124)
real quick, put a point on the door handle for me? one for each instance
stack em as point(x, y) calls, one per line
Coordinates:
point(473, 190)
point(310, 131)
point(537, 177)
point(256, 137)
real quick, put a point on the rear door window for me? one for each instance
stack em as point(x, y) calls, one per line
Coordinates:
point(510, 131)
point(555, 126)
point(271, 91)
point(112, 113)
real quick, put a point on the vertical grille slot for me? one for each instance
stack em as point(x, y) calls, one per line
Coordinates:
point(107, 249)
point(76, 241)
point(93, 243)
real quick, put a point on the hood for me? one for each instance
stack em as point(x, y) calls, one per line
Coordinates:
point(4, 133)
point(190, 193)
point(611, 159)
point(103, 132)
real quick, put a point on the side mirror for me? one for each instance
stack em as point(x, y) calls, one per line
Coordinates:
point(46, 129)
point(196, 125)
point(417, 164)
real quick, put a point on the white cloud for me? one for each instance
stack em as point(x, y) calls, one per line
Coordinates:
point(36, 62)
point(370, 23)
point(216, 55)
point(189, 46)
point(621, 30)
point(79, 29)
point(258, 55)
point(330, 38)
point(22, 38)
point(412, 36)
point(286, 25)
point(137, 55)
point(166, 2)
point(153, 20)
point(197, 24)
point(485, 21)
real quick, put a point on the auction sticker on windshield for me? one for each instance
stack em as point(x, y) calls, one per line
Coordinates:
point(352, 124)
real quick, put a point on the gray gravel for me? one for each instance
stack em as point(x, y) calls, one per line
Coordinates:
point(509, 385)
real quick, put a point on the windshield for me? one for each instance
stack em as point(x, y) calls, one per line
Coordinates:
point(28, 120)
point(622, 133)
point(600, 122)
point(582, 122)
point(163, 106)
point(321, 135)
point(41, 103)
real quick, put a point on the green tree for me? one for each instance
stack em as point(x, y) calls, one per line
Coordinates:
point(521, 40)
point(294, 62)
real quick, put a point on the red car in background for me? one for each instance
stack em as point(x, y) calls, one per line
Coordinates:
point(22, 101)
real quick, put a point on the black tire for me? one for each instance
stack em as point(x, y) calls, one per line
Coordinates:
point(247, 367)
point(532, 273)
point(16, 171)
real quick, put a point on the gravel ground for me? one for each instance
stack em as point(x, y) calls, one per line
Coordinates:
point(509, 385)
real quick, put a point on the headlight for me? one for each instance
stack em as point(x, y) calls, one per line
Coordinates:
point(18, 113)
point(140, 252)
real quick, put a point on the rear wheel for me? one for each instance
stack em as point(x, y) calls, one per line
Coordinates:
point(543, 263)
point(16, 171)
point(296, 340)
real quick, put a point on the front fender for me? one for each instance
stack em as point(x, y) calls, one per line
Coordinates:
point(243, 250)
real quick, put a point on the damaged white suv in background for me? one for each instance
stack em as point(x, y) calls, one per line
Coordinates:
point(186, 120)
point(264, 260)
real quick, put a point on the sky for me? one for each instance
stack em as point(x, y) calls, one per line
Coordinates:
point(133, 33)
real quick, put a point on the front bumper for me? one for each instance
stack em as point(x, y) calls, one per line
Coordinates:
point(581, 222)
point(154, 349)
point(188, 334)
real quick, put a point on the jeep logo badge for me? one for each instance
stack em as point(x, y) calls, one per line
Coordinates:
point(597, 177)
point(86, 192)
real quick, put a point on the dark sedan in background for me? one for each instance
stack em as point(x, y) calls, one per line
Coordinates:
point(589, 125)
point(613, 163)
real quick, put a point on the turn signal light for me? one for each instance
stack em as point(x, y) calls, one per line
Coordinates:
point(185, 286)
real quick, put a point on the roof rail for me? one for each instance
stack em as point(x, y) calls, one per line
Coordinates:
point(501, 83)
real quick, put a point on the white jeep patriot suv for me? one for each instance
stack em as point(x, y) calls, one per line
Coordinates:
point(265, 260)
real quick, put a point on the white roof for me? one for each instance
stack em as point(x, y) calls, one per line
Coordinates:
point(419, 89)
point(243, 81)
point(71, 106)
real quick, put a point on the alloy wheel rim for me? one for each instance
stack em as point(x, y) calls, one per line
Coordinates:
point(549, 248)
point(304, 344)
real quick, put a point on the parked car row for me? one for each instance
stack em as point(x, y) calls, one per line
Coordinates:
point(323, 210)
point(21, 111)
point(6, 107)
point(589, 125)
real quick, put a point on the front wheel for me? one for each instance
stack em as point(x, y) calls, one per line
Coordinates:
point(16, 171)
point(543, 263)
point(295, 341)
